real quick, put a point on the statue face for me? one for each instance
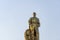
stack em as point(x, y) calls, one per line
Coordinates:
point(34, 14)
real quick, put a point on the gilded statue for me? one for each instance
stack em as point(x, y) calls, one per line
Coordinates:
point(32, 33)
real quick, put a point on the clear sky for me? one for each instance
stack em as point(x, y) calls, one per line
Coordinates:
point(14, 16)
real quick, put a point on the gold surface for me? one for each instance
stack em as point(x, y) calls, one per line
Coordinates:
point(32, 33)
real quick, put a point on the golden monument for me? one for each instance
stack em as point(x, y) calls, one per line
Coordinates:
point(32, 33)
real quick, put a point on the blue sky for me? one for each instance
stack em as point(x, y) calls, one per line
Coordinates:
point(14, 16)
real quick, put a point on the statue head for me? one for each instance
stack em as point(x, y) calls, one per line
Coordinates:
point(34, 14)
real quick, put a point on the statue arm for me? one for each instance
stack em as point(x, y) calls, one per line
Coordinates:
point(30, 21)
point(38, 23)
